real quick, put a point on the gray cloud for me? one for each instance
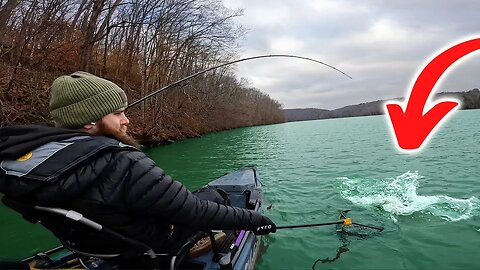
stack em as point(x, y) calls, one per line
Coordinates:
point(381, 44)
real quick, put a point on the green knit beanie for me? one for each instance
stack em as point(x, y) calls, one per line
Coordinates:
point(81, 98)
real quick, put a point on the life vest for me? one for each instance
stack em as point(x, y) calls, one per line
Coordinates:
point(50, 160)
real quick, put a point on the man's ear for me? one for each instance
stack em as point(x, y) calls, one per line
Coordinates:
point(89, 127)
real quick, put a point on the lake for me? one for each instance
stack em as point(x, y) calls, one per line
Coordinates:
point(427, 202)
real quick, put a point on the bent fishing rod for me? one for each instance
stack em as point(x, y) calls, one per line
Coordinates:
point(230, 63)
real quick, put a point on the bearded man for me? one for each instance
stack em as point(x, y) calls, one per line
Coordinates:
point(88, 163)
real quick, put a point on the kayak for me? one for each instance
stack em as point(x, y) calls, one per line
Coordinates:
point(241, 249)
point(230, 250)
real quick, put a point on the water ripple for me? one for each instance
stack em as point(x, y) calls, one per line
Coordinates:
point(399, 196)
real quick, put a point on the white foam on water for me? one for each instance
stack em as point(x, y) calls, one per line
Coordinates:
point(398, 196)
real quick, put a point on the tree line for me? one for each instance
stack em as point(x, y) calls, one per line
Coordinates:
point(142, 46)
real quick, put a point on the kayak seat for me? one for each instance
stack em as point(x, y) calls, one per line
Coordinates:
point(88, 238)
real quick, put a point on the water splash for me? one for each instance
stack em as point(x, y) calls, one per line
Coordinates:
point(399, 196)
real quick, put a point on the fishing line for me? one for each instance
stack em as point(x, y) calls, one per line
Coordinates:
point(230, 63)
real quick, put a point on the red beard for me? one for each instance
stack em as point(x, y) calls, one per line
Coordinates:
point(120, 134)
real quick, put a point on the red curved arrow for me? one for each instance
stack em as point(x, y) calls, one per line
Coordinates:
point(411, 126)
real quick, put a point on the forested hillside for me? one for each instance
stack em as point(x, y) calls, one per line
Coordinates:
point(468, 99)
point(142, 46)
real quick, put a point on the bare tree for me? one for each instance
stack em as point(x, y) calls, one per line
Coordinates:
point(142, 46)
point(5, 13)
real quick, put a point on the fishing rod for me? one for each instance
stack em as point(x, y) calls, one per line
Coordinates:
point(345, 221)
point(230, 63)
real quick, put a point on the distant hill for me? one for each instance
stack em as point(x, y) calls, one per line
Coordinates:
point(305, 114)
point(469, 100)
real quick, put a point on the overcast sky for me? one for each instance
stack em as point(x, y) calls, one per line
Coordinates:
point(383, 45)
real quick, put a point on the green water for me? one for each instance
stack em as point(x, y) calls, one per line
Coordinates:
point(427, 202)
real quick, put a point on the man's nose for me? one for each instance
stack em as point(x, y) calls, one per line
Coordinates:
point(125, 120)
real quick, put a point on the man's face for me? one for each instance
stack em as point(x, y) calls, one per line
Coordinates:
point(115, 124)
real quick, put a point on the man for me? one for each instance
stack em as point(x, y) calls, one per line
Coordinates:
point(88, 163)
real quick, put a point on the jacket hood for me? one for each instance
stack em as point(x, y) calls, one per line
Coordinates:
point(16, 141)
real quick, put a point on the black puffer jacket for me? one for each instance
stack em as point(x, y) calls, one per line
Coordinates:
point(118, 187)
